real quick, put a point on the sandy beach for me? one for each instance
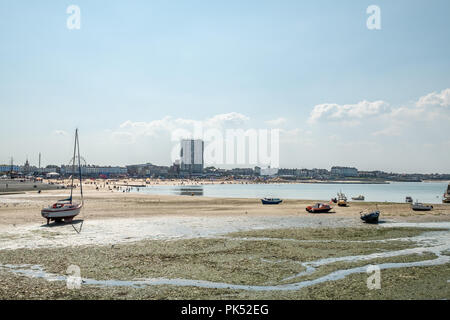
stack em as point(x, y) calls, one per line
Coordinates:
point(110, 202)
point(199, 247)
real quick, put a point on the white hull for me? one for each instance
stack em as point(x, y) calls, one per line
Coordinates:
point(61, 213)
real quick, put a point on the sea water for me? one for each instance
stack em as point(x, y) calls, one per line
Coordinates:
point(426, 192)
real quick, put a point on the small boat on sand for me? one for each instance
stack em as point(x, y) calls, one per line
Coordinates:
point(319, 208)
point(342, 200)
point(421, 207)
point(371, 217)
point(447, 195)
point(408, 200)
point(66, 209)
point(271, 201)
point(359, 198)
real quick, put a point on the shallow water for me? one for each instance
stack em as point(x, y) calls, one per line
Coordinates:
point(436, 242)
point(427, 192)
point(111, 231)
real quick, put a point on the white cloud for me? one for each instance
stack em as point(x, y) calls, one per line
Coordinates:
point(60, 133)
point(296, 136)
point(435, 99)
point(389, 131)
point(276, 122)
point(333, 111)
point(169, 125)
point(123, 137)
point(227, 119)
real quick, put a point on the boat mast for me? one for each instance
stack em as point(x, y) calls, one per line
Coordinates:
point(79, 164)
point(73, 164)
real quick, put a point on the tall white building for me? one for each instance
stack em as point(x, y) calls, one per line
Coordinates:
point(192, 156)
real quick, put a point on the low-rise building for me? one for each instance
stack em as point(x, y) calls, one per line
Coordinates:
point(93, 171)
point(344, 171)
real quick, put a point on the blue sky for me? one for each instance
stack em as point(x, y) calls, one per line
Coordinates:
point(142, 61)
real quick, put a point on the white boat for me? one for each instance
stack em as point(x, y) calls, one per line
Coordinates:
point(67, 209)
point(360, 198)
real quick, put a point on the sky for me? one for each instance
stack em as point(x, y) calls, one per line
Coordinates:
point(135, 72)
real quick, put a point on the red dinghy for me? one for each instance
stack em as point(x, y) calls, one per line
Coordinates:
point(319, 208)
point(66, 209)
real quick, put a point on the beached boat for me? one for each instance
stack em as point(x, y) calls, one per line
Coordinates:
point(421, 207)
point(359, 198)
point(371, 217)
point(319, 208)
point(271, 201)
point(408, 200)
point(447, 195)
point(66, 209)
point(341, 200)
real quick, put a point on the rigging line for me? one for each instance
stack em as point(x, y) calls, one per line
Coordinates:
point(82, 221)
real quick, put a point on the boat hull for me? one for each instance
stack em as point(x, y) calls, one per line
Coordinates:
point(371, 217)
point(271, 201)
point(446, 198)
point(423, 209)
point(65, 212)
point(322, 209)
point(318, 210)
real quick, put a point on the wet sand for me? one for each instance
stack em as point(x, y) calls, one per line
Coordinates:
point(201, 244)
point(106, 204)
point(112, 216)
point(21, 185)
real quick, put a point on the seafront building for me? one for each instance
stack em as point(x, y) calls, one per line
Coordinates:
point(191, 154)
point(191, 165)
point(8, 167)
point(344, 171)
point(94, 171)
point(147, 170)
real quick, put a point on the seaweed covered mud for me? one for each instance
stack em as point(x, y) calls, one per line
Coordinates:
point(275, 264)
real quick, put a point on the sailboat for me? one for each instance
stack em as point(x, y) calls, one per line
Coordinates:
point(447, 195)
point(67, 209)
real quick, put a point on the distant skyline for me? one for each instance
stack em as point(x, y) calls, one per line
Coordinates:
point(136, 71)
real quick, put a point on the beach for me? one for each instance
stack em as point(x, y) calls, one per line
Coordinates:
point(134, 245)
